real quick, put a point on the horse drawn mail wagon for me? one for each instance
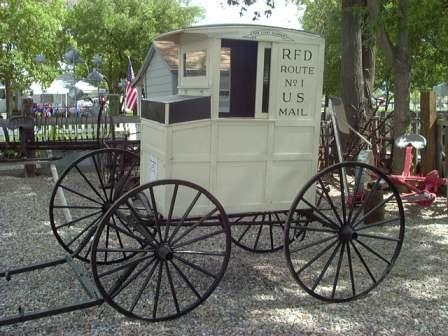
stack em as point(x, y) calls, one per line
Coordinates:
point(232, 157)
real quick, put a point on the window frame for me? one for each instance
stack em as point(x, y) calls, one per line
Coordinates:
point(259, 114)
point(191, 82)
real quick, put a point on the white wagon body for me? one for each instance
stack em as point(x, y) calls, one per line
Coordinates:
point(245, 122)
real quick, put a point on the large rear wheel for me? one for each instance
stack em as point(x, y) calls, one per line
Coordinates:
point(175, 248)
point(353, 229)
point(84, 193)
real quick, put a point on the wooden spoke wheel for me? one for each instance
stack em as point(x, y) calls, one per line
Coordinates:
point(178, 238)
point(354, 230)
point(84, 193)
point(260, 232)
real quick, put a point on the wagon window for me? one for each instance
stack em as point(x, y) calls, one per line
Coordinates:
point(266, 80)
point(195, 63)
point(242, 75)
point(224, 81)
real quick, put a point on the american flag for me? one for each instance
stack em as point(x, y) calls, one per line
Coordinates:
point(131, 92)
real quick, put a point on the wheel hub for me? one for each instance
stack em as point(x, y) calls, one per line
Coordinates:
point(106, 206)
point(347, 233)
point(164, 252)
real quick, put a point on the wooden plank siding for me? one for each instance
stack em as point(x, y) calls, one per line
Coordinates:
point(159, 79)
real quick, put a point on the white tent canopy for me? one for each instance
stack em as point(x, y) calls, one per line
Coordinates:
point(62, 90)
point(62, 85)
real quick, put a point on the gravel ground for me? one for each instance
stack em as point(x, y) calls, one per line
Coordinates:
point(256, 297)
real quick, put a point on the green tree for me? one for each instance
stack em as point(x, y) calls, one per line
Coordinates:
point(26, 28)
point(324, 17)
point(409, 34)
point(116, 29)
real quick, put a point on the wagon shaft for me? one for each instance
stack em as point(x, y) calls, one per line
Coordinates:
point(23, 314)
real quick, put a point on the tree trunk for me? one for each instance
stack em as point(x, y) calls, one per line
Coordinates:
point(401, 107)
point(352, 70)
point(368, 64)
point(398, 56)
point(368, 58)
point(9, 97)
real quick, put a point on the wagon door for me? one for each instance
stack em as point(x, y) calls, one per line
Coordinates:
point(238, 72)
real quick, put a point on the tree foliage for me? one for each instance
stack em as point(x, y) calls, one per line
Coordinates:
point(114, 29)
point(117, 29)
point(324, 17)
point(26, 28)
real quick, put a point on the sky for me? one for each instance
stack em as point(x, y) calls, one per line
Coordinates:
point(283, 15)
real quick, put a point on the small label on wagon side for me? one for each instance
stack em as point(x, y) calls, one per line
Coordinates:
point(152, 168)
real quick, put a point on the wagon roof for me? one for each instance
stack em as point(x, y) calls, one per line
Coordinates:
point(165, 44)
point(246, 31)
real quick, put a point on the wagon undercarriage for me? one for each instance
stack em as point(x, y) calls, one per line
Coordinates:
point(157, 264)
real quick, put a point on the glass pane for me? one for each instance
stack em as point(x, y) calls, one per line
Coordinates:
point(266, 80)
point(195, 63)
point(224, 81)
